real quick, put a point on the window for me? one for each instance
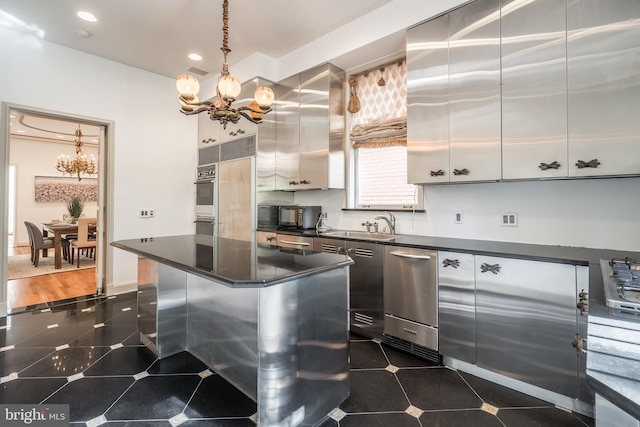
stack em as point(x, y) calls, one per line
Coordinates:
point(379, 139)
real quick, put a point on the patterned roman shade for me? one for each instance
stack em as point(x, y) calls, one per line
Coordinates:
point(382, 119)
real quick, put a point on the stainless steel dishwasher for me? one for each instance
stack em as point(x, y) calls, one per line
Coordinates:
point(411, 300)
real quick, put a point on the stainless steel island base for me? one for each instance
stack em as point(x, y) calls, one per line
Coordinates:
point(282, 342)
point(285, 346)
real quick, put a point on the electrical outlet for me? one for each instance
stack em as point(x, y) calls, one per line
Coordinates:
point(151, 213)
point(457, 218)
point(146, 213)
point(509, 219)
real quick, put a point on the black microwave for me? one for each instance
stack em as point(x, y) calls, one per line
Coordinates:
point(303, 217)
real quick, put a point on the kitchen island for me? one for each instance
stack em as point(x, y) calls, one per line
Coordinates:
point(272, 323)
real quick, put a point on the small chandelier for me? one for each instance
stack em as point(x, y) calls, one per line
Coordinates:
point(227, 90)
point(80, 164)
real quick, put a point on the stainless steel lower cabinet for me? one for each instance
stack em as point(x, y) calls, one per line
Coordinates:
point(526, 320)
point(609, 415)
point(366, 306)
point(457, 305)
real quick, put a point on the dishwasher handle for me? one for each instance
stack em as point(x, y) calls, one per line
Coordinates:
point(291, 242)
point(409, 255)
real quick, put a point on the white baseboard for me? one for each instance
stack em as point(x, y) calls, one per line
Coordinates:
point(120, 288)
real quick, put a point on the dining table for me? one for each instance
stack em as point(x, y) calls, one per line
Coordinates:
point(58, 229)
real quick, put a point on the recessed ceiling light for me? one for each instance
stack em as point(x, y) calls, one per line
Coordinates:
point(87, 16)
point(20, 131)
point(81, 32)
point(195, 57)
point(60, 136)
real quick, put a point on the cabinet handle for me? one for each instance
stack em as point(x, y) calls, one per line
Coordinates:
point(232, 133)
point(490, 268)
point(581, 164)
point(451, 263)
point(552, 165)
point(304, 181)
point(579, 344)
point(410, 331)
point(461, 171)
point(270, 239)
point(205, 221)
point(408, 255)
point(208, 140)
point(293, 183)
point(439, 172)
point(295, 243)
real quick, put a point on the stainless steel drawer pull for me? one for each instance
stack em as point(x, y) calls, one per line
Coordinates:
point(581, 164)
point(409, 255)
point(410, 331)
point(295, 243)
point(552, 165)
point(490, 268)
point(450, 263)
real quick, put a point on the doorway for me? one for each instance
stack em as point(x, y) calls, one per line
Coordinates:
point(40, 133)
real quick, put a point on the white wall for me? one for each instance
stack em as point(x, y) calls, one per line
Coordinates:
point(155, 145)
point(38, 158)
point(592, 213)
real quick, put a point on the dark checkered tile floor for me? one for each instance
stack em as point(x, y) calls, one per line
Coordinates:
point(87, 354)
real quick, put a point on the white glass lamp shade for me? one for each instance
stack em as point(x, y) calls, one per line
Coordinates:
point(264, 97)
point(187, 85)
point(229, 87)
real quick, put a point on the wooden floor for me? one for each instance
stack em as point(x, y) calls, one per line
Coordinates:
point(49, 287)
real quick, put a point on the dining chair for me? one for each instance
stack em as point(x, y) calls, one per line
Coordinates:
point(40, 243)
point(83, 241)
point(26, 224)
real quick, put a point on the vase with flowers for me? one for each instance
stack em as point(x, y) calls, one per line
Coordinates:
point(75, 205)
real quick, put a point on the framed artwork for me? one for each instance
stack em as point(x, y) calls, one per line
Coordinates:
point(61, 189)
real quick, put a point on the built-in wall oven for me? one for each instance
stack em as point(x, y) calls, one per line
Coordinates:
point(205, 199)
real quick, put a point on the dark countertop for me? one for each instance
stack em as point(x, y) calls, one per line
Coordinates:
point(236, 263)
point(548, 253)
point(613, 357)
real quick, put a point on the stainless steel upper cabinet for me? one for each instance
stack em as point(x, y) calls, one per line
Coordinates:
point(287, 132)
point(265, 132)
point(428, 102)
point(321, 128)
point(603, 52)
point(534, 89)
point(474, 92)
point(310, 130)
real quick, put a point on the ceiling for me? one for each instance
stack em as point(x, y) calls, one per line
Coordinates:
point(157, 35)
point(50, 129)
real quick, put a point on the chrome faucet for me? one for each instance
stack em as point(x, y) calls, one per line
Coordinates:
point(391, 222)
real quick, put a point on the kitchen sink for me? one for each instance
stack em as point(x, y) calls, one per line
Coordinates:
point(361, 235)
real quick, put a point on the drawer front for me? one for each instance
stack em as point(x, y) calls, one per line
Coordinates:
point(267, 238)
point(416, 333)
point(295, 242)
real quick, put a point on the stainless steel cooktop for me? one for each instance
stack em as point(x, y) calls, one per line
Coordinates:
point(621, 283)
